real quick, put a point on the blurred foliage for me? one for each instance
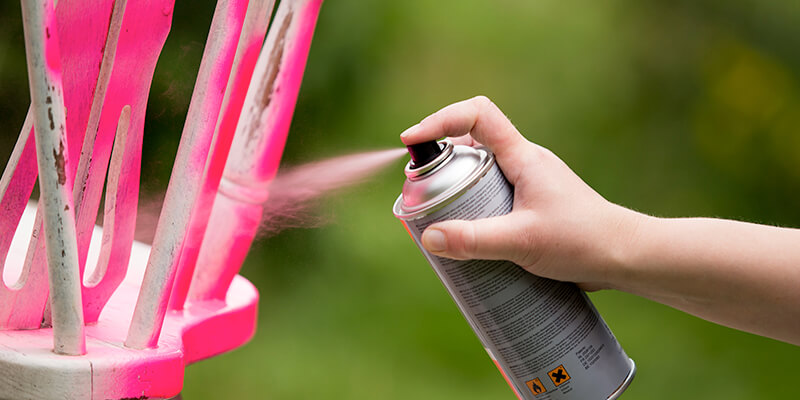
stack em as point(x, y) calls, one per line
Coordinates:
point(675, 108)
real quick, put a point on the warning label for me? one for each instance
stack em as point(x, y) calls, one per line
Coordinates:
point(535, 385)
point(559, 375)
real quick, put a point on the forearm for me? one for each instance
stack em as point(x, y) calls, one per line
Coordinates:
point(737, 274)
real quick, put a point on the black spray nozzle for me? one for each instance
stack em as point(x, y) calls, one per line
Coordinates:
point(423, 153)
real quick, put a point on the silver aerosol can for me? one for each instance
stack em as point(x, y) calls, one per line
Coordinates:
point(545, 336)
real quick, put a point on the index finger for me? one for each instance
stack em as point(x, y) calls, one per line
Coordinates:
point(478, 117)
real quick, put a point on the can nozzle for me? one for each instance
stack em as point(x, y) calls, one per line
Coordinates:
point(423, 153)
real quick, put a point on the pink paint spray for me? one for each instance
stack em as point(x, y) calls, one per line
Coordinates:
point(294, 193)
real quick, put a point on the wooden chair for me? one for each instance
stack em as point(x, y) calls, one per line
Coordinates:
point(87, 312)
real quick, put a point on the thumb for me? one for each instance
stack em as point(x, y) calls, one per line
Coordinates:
point(496, 238)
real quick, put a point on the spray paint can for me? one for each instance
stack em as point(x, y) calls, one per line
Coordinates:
point(545, 336)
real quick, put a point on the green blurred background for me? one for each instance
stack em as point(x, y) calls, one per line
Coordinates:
point(674, 108)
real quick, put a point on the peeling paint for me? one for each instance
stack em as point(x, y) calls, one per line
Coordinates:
point(50, 117)
point(60, 164)
point(271, 74)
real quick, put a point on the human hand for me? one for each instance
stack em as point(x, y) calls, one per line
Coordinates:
point(559, 227)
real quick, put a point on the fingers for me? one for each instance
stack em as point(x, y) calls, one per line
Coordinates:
point(477, 116)
point(483, 121)
point(497, 238)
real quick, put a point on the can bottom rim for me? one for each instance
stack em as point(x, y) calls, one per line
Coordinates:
point(625, 383)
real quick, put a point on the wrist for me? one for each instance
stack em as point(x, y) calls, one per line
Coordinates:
point(627, 228)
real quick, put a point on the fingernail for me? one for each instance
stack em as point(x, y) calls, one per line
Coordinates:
point(409, 131)
point(434, 240)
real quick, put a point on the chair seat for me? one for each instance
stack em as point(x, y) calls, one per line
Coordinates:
point(30, 370)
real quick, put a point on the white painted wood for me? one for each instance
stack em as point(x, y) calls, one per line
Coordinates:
point(29, 369)
point(33, 364)
point(109, 370)
point(187, 173)
point(43, 59)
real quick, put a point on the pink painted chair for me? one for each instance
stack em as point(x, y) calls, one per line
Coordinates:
point(87, 312)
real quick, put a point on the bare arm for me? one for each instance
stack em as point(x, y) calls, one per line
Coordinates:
point(737, 274)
